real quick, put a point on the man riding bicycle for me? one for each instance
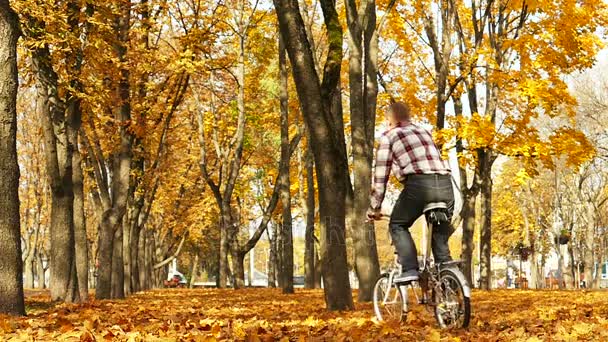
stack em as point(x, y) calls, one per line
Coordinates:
point(410, 152)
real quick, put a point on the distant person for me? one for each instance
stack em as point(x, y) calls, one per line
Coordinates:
point(408, 150)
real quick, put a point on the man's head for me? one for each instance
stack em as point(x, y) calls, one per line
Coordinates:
point(397, 112)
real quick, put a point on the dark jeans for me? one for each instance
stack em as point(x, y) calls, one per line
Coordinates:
point(420, 190)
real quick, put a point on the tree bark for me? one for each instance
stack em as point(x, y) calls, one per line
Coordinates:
point(121, 165)
point(118, 271)
point(238, 269)
point(141, 262)
point(272, 258)
point(285, 194)
point(224, 248)
point(40, 271)
point(11, 268)
point(468, 195)
point(80, 232)
point(278, 239)
point(58, 153)
point(589, 245)
point(485, 249)
point(309, 252)
point(363, 69)
point(193, 271)
point(468, 231)
point(320, 108)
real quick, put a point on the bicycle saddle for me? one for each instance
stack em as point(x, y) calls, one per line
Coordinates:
point(436, 212)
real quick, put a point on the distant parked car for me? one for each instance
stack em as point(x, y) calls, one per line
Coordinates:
point(177, 280)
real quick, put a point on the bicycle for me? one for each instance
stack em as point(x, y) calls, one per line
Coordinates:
point(442, 287)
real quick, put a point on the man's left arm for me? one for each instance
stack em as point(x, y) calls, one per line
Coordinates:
point(381, 175)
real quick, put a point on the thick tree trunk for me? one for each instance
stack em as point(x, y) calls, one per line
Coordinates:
point(149, 260)
point(589, 245)
point(309, 252)
point(121, 166)
point(286, 227)
point(533, 281)
point(40, 271)
point(560, 266)
point(485, 246)
point(80, 232)
point(225, 229)
point(272, 258)
point(58, 153)
point(238, 269)
point(318, 274)
point(105, 250)
point(118, 271)
point(28, 270)
point(363, 54)
point(468, 231)
point(193, 271)
point(135, 258)
point(467, 193)
point(62, 254)
point(278, 268)
point(322, 121)
point(126, 255)
point(11, 267)
point(141, 262)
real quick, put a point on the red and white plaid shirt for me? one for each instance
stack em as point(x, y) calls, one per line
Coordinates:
point(406, 149)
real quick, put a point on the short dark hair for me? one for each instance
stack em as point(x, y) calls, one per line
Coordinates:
point(400, 110)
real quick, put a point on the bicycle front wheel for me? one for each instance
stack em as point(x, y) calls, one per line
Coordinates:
point(452, 300)
point(388, 299)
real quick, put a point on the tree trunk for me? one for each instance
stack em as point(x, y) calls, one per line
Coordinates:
point(485, 248)
point(272, 258)
point(40, 271)
point(533, 281)
point(468, 195)
point(285, 194)
point(560, 267)
point(193, 271)
point(589, 245)
point(105, 249)
point(327, 139)
point(126, 255)
point(135, 258)
point(28, 270)
point(363, 55)
point(309, 252)
point(58, 153)
point(224, 247)
point(149, 260)
point(238, 269)
point(278, 269)
point(142, 262)
point(11, 267)
point(121, 167)
point(468, 231)
point(318, 274)
point(80, 232)
point(118, 271)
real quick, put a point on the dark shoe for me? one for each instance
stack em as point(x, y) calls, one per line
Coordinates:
point(452, 264)
point(407, 276)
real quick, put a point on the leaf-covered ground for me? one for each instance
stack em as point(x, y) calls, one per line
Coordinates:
point(268, 315)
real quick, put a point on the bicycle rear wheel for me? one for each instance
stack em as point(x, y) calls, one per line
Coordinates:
point(388, 299)
point(453, 302)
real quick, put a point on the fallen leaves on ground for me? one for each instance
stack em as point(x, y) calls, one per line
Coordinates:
point(269, 315)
